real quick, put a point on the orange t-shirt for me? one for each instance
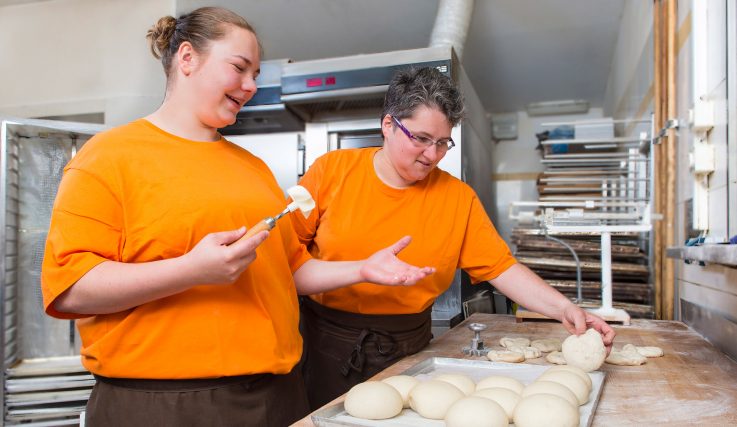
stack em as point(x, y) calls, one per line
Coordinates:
point(357, 214)
point(135, 194)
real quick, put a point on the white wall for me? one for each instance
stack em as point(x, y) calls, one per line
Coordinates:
point(64, 57)
point(631, 74)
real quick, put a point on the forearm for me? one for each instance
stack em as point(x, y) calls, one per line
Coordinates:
point(529, 290)
point(111, 286)
point(316, 276)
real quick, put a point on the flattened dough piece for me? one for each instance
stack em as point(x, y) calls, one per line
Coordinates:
point(625, 358)
point(647, 351)
point(556, 358)
point(547, 345)
point(514, 342)
point(529, 352)
point(505, 356)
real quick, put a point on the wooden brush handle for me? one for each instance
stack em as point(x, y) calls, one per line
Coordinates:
point(260, 226)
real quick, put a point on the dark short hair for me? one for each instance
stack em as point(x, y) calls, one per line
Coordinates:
point(428, 87)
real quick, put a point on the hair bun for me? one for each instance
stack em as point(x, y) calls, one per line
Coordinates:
point(160, 34)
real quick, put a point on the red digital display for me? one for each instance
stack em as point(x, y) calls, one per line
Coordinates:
point(315, 81)
point(330, 80)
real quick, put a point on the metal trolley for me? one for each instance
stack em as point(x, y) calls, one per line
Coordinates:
point(43, 381)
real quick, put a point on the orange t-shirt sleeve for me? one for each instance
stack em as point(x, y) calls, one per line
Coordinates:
point(297, 253)
point(85, 230)
point(484, 254)
point(306, 228)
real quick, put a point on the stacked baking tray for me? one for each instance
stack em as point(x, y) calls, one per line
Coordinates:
point(46, 392)
point(614, 175)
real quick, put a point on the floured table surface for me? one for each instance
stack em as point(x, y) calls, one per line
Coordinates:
point(693, 384)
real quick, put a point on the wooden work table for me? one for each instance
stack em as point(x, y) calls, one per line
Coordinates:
point(693, 384)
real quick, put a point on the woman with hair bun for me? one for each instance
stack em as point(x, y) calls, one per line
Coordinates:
point(181, 323)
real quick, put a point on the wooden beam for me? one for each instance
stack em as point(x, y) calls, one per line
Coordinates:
point(670, 172)
point(656, 154)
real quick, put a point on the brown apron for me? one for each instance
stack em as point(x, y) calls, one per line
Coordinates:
point(343, 349)
point(248, 400)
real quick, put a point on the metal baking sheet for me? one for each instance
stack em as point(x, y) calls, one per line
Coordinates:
point(47, 366)
point(336, 415)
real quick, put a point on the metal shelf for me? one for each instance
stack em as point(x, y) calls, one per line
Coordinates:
point(716, 254)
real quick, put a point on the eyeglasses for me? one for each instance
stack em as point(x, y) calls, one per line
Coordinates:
point(441, 144)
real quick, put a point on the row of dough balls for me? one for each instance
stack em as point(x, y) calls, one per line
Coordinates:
point(521, 349)
point(629, 355)
point(552, 399)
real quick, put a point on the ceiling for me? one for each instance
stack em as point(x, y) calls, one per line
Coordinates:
point(517, 51)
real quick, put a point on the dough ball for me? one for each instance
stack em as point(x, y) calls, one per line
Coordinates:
point(578, 371)
point(529, 352)
point(514, 342)
point(432, 399)
point(373, 400)
point(586, 351)
point(506, 398)
point(625, 358)
point(463, 382)
point(476, 412)
point(505, 356)
point(570, 380)
point(500, 381)
point(550, 387)
point(403, 384)
point(545, 410)
point(556, 357)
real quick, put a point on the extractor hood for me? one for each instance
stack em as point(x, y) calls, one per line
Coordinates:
point(353, 83)
point(322, 89)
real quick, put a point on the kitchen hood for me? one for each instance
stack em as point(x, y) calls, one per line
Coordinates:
point(292, 93)
point(354, 83)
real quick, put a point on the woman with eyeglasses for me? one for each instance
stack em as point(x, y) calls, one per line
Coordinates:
point(366, 198)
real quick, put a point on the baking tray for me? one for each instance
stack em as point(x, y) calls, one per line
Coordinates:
point(336, 415)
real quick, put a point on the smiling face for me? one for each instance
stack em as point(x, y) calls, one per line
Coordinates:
point(409, 161)
point(222, 79)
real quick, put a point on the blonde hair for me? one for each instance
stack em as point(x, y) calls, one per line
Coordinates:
point(199, 28)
